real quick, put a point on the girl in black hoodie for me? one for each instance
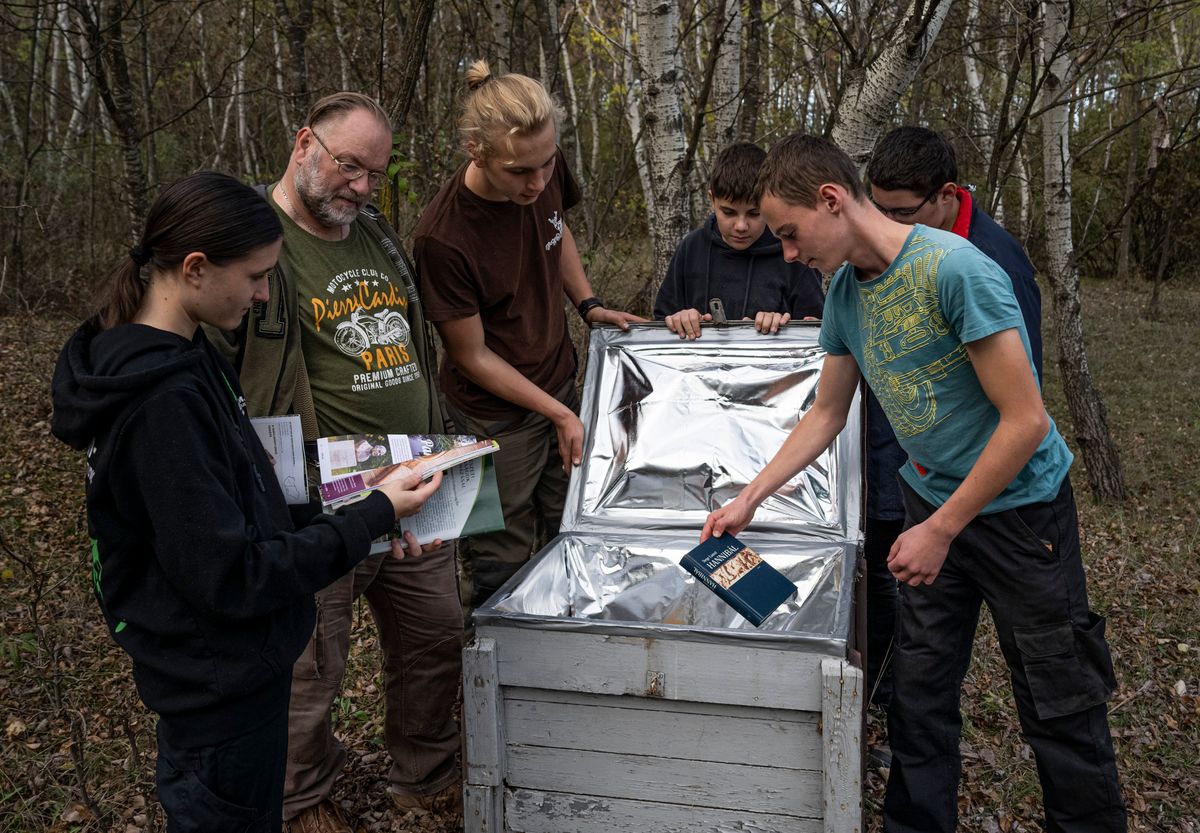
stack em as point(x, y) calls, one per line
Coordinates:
point(198, 566)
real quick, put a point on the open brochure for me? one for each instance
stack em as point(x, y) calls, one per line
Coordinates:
point(352, 465)
point(467, 503)
point(282, 438)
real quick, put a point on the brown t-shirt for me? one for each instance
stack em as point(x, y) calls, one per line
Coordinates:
point(501, 261)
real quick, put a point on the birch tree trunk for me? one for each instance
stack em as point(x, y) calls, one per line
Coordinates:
point(1092, 436)
point(727, 76)
point(874, 91)
point(663, 140)
point(411, 58)
point(115, 88)
point(752, 86)
point(498, 11)
point(633, 106)
point(297, 23)
point(981, 122)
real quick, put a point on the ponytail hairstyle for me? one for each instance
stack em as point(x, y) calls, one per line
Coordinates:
point(503, 106)
point(206, 212)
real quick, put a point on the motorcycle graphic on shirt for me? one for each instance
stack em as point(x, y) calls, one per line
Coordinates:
point(363, 330)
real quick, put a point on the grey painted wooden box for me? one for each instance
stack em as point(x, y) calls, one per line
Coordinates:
point(605, 690)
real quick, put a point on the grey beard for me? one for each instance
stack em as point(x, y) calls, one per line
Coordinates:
point(322, 210)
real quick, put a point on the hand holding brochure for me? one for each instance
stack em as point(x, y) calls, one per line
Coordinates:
point(739, 576)
point(467, 503)
point(353, 465)
point(282, 438)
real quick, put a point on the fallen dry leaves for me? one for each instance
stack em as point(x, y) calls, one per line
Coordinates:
point(78, 748)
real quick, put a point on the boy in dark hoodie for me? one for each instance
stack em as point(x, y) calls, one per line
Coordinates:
point(735, 258)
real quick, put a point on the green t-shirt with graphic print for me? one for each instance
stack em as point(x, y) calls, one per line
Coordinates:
point(355, 334)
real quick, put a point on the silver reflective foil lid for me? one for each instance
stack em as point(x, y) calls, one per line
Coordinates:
point(677, 428)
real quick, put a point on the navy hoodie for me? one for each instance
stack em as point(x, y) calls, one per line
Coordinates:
point(991, 239)
point(755, 279)
point(195, 561)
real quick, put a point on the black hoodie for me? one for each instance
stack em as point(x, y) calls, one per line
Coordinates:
point(748, 281)
point(195, 561)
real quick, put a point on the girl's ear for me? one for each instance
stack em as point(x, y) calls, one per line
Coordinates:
point(193, 267)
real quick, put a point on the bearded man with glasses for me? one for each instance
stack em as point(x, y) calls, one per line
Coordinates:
point(342, 263)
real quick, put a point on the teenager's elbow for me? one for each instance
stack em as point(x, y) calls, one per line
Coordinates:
point(1031, 425)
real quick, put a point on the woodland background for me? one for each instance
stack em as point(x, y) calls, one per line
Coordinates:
point(1076, 121)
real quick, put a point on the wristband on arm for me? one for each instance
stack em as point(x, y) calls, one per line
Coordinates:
point(587, 305)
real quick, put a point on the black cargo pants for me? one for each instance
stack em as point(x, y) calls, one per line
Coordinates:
point(1025, 565)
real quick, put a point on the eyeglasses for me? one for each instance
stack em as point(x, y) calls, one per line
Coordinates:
point(349, 170)
point(906, 212)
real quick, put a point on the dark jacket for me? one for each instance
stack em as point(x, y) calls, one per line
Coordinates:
point(1002, 247)
point(195, 561)
point(749, 281)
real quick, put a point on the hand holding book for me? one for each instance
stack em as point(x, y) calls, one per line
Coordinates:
point(739, 576)
point(409, 492)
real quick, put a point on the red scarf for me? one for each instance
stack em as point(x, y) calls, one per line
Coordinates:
point(962, 223)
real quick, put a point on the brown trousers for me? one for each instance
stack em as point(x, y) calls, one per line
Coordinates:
point(533, 489)
point(416, 607)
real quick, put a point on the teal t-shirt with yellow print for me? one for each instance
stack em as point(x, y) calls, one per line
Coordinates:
point(907, 329)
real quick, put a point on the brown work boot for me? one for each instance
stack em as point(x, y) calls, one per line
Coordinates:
point(325, 817)
point(449, 800)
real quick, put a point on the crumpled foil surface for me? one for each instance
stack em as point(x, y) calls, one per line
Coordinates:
point(675, 429)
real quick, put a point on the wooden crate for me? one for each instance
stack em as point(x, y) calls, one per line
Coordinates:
point(590, 733)
point(601, 717)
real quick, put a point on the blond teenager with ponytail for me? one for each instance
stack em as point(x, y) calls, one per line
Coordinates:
point(199, 569)
point(495, 258)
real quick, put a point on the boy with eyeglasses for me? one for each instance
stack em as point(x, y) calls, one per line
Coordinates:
point(913, 177)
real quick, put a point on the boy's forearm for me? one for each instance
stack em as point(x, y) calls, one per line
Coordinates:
point(1003, 370)
point(1010, 447)
point(495, 375)
point(575, 281)
point(815, 431)
point(811, 436)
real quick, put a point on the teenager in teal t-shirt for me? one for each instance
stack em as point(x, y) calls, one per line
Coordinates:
point(990, 518)
point(907, 330)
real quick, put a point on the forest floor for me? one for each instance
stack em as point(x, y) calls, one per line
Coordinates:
point(77, 749)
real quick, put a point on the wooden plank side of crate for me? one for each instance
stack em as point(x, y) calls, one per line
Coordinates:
point(842, 720)
point(744, 736)
point(785, 792)
point(483, 809)
point(752, 675)
point(538, 811)
point(656, 704)
point(482, 714)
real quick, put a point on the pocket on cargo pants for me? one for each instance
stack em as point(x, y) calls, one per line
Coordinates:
point(1068, 666)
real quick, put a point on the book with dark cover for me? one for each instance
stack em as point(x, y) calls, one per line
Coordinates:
point(739, 576)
